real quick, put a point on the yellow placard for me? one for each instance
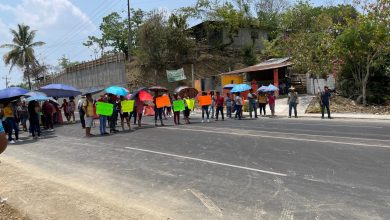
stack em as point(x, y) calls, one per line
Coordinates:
point(127, 106)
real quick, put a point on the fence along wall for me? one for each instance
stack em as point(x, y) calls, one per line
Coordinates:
point(99, 73)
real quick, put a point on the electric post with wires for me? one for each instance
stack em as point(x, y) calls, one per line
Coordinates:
point(129, 39)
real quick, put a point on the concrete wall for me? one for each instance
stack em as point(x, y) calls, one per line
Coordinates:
point(313, 87)
point(94, 75)
point(244, 37)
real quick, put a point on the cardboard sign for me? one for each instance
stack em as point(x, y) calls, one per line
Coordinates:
point(105, 109)
point(127, 106)
point(163, 101)
point(204, 100)
point(190, 103)
point(178, 106)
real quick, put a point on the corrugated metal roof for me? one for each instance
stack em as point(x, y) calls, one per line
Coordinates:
point(266, 65)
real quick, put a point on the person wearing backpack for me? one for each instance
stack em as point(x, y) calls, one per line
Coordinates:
point(292, 101)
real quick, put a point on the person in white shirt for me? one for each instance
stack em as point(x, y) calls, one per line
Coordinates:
point(238, 100)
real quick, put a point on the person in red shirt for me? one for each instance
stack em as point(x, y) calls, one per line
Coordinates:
point(219, 100)
point(271, 101)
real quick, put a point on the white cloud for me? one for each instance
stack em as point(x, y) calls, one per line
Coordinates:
point(57, 22)
point(52, 14)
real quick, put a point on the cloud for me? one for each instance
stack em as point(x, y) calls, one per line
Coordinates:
point(48, 15)
point(56, 21)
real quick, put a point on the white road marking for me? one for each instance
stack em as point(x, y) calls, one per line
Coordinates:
point(279, 137)
point(207, 202)
point(304, 130)
point(207, 161)
point(328, 125)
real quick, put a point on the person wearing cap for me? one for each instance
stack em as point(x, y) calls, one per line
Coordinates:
point(292, 101)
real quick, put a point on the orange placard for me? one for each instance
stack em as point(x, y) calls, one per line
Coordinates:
point(204, 100)
point(163, 101)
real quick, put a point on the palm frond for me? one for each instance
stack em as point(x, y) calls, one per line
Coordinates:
point(37, 44)
point(10, 46)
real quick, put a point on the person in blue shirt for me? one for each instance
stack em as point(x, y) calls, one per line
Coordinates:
point(324, 101)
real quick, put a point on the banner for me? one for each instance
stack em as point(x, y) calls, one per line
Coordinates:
point(163, 101)
point(176, 75)
point(127, 106)
point(178, 106)
point(190, 103)
point(105, 109)
point(204, 100)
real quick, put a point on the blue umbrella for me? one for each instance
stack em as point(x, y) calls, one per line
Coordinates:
point(117, 90)
point(240, 88)
point(92, 91)
point(37, 98)
point(12, 93)
point(59, 90)
point(263, 89)
point(229, 86)
point(271, 88)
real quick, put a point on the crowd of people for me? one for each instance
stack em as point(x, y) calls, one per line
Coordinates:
point(49, 113)
point(33, 115)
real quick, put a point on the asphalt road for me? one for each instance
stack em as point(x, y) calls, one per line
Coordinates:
point(250, 169)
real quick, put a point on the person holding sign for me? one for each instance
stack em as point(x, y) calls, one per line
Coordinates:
point(205, 101)
point(177, 108)
point(188, 105)
point(114, 117)
point(123, 114)
point(103, 118)
point(158, 107)
point(88, 109)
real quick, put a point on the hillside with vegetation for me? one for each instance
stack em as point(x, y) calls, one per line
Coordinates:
point(351, 41)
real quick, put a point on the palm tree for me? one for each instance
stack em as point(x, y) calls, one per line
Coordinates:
point(21, 52)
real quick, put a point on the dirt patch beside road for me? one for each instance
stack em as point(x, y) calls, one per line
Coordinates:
point(9, 213)
point(36, 195)
point(340, 104)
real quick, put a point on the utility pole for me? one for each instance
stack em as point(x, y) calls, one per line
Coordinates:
point(192, 74)
point(129, 40)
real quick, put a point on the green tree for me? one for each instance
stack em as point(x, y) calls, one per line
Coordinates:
point(153, 38)
point(364, 47)
point(115, 32)
point(64, 62)
point(21, 52)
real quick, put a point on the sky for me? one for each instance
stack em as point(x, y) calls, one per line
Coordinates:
point(65, 24)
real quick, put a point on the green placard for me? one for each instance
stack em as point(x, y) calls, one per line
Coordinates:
point(191, 103)
point(127, 106)
point(178, 106)
point(105, 109)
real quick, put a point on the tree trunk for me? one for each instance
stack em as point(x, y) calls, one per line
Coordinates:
point(28, 76)
point(364, 88)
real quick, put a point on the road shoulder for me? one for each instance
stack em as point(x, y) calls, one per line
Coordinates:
point(37, 195)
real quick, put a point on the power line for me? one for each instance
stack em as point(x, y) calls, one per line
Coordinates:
point(81, 26)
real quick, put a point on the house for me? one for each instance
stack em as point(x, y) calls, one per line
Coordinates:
point(210, 34)
point(275, 71)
